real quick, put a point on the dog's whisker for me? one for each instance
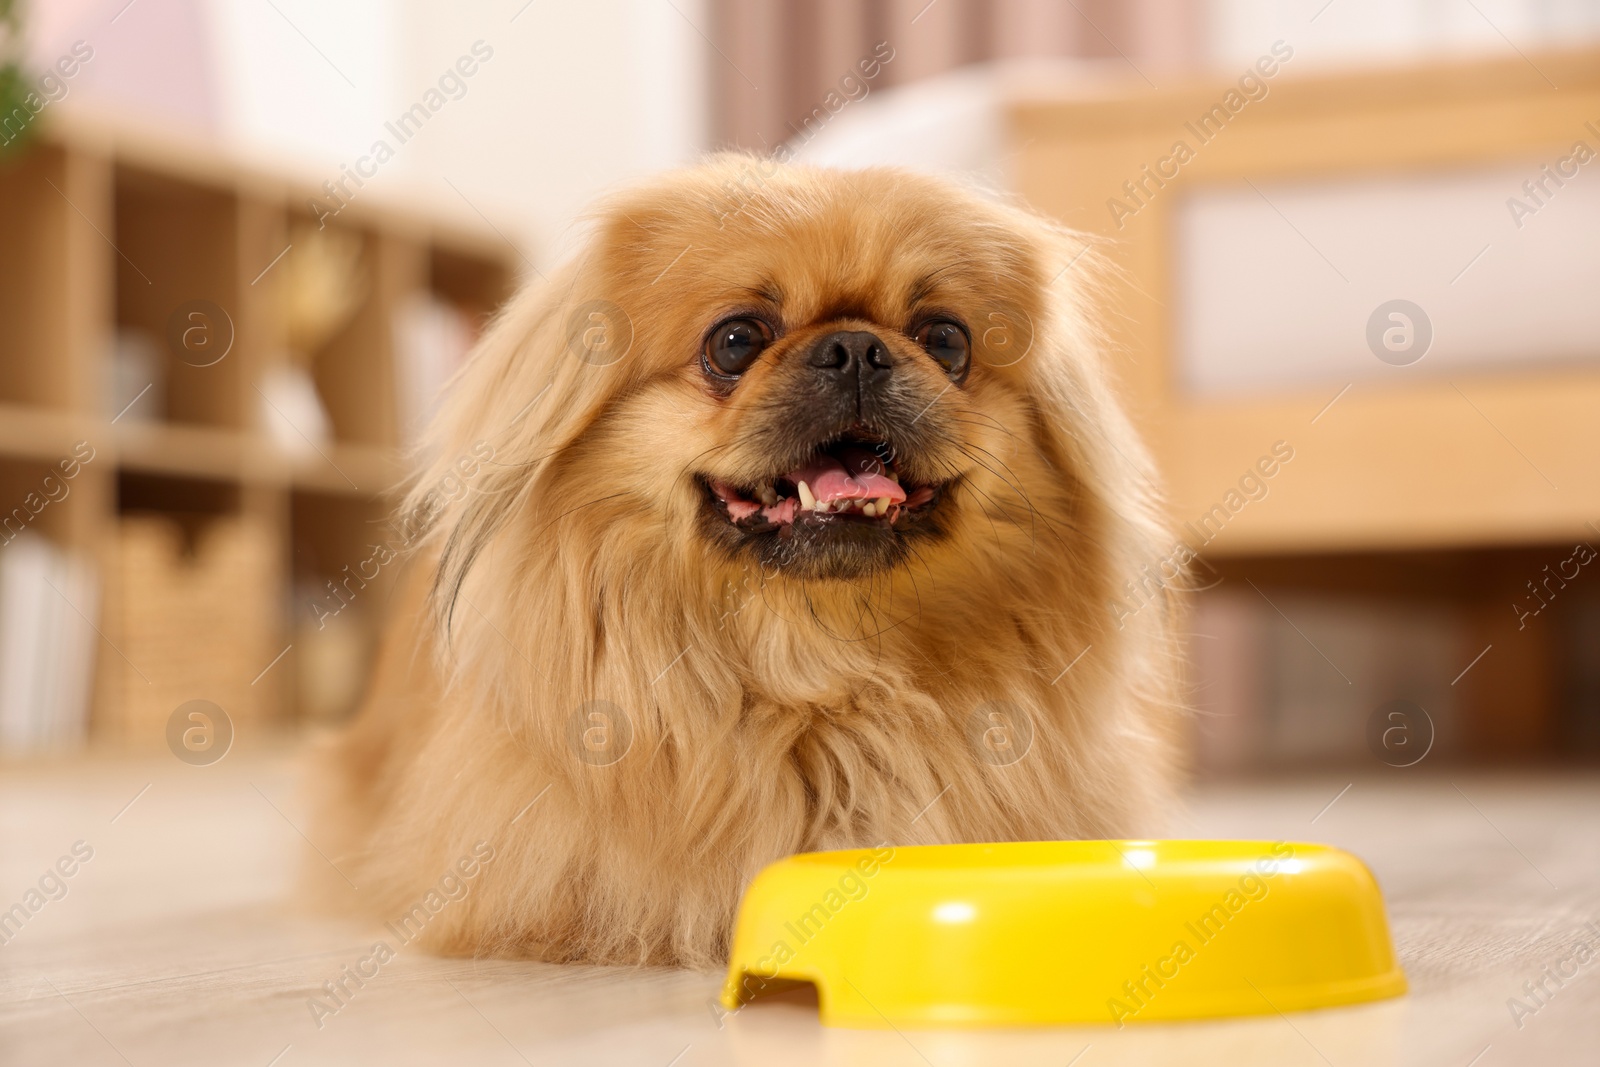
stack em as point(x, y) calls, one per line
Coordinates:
point(988, 515)
point(1034, 512)
point(980, 418)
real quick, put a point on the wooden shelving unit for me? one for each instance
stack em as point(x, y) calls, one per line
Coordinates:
point(105, 229)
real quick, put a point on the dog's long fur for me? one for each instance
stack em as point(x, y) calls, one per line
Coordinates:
point(769, 713)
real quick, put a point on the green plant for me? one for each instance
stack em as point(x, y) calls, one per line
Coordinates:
point(14, 87)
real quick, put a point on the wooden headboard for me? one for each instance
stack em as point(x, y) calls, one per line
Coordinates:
point(1462, 447)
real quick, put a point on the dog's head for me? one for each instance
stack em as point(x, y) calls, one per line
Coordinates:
point(808, 375)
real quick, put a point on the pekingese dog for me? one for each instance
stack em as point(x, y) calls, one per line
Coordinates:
point(787, 516)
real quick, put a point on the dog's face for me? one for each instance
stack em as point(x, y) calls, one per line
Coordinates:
point(823, 379)
point(832, 371)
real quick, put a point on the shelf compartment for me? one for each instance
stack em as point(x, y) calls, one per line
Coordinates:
point(354, 368)
point(178, 243)
point(1496, 645)
point(345, 556)
point(193, 607)
point(38, 498)
point(474, 283)
point(34, 282)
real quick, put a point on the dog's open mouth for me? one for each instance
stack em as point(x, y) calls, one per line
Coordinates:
point(852, 480)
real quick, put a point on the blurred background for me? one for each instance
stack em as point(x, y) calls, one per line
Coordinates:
point(243, 243)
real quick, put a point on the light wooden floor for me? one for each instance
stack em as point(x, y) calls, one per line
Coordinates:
point(175, 943)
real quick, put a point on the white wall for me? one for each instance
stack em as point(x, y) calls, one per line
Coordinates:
point(577, 97)
point(1352, 32)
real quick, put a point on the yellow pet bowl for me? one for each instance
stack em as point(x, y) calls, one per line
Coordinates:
point(1057, 932)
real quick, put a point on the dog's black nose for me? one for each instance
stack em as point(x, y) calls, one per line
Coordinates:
point(856, 357)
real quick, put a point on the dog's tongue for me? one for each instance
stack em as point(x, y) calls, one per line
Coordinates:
point(850, 472)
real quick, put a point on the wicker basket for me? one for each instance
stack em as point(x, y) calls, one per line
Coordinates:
point(187, 622)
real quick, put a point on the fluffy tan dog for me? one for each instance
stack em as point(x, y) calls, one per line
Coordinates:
point(807, 504)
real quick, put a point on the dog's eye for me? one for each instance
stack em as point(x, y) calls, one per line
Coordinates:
point(734, 345)
point(948, 343)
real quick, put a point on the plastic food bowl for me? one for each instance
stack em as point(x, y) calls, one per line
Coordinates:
point(1064, 932)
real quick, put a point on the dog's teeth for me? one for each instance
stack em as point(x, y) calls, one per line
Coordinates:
point(893, 477)
point(808, 502)
point(768, 496)
point(869, 509)
point(883, 505)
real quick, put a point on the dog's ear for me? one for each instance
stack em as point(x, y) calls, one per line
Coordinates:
point(1079, 386)
point(1075, 374)
point(1076, 380)
point(540, 376)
